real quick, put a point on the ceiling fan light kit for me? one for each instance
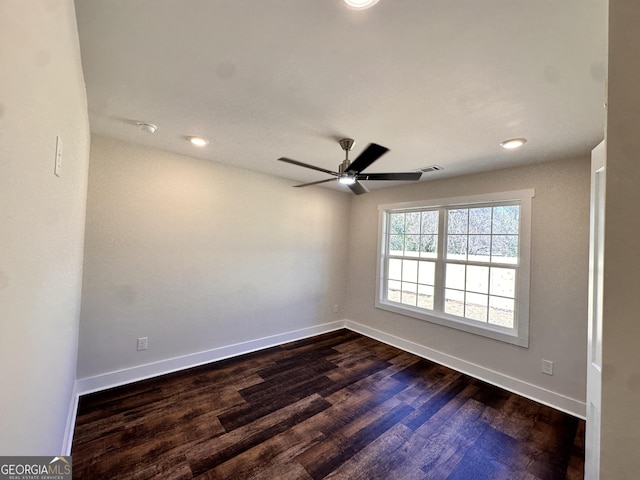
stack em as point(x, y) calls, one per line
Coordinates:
point(350, 174)
point(346, 179)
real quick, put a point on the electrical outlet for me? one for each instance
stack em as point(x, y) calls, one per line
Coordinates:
point(547, 367)
point(336, 308)
point(142, 343)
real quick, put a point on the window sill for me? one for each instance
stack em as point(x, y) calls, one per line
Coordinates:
point(486, 330)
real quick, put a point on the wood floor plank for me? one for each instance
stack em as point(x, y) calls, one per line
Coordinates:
point(384, 458)
point(343, 448)
point(575, 469)
point(280, 450)
point(338, 405)
point(211, 453)
point(447, 449)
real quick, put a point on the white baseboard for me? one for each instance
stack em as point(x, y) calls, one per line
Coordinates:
point(546, 397)
point(71, 422)
point(142, 372)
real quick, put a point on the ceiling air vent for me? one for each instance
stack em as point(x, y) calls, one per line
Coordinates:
point(432, 168)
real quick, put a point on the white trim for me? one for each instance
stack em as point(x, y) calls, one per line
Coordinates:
point(519, 335)
point(467, 199)
point(162, 367)
point(541, 395)
point(71, 422)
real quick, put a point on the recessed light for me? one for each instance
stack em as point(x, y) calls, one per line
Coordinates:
point(513, 143)
point(147, 127)
point(198, 141)
point(360, 4)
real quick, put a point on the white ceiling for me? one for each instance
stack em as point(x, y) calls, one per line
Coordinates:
point(436, 81)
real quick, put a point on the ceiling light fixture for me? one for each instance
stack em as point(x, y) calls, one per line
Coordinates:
point(513, 143)
point(198, 141)
point(346, 179)
point(360, 4)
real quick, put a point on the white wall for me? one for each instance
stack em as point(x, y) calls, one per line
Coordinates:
point(42, 95)
point(559, 275)
point(621, 316)
point(196, 256)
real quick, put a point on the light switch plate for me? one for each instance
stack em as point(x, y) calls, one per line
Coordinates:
point(58, 165)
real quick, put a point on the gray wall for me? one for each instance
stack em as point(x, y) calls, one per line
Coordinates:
point(559, 276)
point(196, 256)
point(621, 317)
point(42, 95)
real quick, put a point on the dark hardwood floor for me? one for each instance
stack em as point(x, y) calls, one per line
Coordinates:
point(338, 405)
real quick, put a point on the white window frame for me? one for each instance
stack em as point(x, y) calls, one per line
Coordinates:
point(519, 334)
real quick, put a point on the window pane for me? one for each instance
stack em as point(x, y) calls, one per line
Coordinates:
point(480, 220)
point(425, 297)
point(479, 248)
point(409, 293)
point(412, 222)
point(455, 276)
point(409, 271)
point(395, 269)
point(457, 247)
point(506, 219)
point(477, 279)
point(393, 291)
point(503, 282)
point(454, 302)
point(501, 311)
point(429, 246)
point(427, 273)
point(412, 245)
point(396, 245)
point(457, 221)
point(397, 223)
point(476, 306)
point(466, 250)
point(504, 248)
point(430, 221)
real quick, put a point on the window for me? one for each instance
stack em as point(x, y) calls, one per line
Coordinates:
point(459, 262)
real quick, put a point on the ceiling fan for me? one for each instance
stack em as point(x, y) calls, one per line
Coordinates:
point(350, 174)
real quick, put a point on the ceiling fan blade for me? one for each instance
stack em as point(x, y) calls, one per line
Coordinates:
point(306, 165)
point(315, 183)
point(358, 188)
point(366, 158)
point(390, 176)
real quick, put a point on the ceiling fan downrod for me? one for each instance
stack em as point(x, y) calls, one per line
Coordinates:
point(346, 144)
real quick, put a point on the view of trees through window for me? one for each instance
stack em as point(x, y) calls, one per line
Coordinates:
point(470, 272)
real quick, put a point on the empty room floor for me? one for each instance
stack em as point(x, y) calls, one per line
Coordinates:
point(339, 405)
